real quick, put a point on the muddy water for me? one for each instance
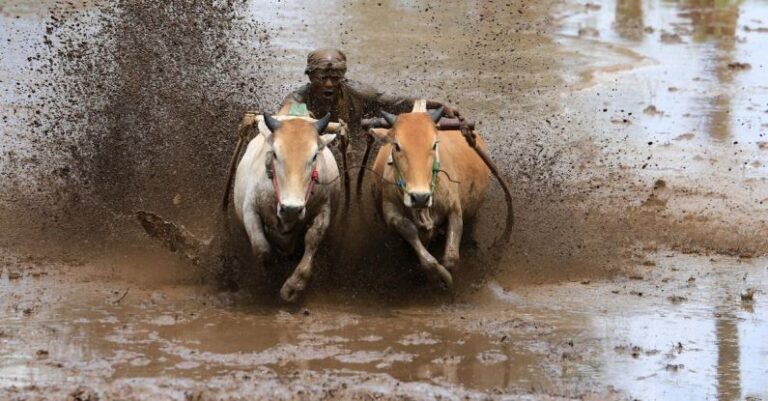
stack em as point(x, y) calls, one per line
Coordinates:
point(676, 330)
point(678, 88)
point(564, 94)
point(696, 74)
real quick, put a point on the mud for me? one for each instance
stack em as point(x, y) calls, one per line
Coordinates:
point(633, 132)
point(118, 99)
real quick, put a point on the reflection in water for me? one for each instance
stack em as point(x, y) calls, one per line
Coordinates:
point(693, 74)
point(716, 21)
point(728, 366)
point(713, 19)
point(629, 19)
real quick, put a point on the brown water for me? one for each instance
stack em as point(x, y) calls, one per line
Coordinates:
point(88, 324)
point(588, 302)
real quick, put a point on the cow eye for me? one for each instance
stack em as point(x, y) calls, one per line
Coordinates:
point(397, 146)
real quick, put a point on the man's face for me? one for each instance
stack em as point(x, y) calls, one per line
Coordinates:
point(326, 83)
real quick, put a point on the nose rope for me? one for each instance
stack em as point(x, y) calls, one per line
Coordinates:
point(274, 182)
point(399, 180)
point(315, 177)
point(435, 168)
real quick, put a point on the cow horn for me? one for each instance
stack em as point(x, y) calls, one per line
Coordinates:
point(389, 117)
point(322, 124)
point(436, 114)
point(272, 123)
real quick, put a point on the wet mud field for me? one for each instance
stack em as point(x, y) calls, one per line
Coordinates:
point(634, 134)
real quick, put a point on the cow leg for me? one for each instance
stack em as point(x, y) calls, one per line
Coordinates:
point(253, 226)
point(410, 233)
point(303, 272)
point(453, 239)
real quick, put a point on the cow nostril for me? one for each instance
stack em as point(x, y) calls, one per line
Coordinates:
point(420, 199)
point(291, 210)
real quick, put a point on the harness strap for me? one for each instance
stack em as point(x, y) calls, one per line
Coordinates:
point(314, 178)
point(299, 110)
point(435, 167)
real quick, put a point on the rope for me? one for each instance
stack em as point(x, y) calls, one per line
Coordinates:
point(274, 182)
point(312, 180)
point(400, 181)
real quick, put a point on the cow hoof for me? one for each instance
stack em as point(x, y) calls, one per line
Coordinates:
point(292, 288)
point(440, 275)
point(446, 280)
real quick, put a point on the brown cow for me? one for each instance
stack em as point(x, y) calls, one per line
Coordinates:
point(428, 179)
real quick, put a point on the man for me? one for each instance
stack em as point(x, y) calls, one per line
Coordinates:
point(328, 91)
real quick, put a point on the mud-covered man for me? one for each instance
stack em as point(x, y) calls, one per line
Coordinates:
point(328, 91)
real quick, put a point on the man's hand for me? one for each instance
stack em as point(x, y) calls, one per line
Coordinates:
point(450, 112)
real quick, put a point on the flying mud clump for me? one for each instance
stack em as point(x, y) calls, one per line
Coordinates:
point(137, 107)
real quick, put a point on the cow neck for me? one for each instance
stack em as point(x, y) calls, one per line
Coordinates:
point(310, 189)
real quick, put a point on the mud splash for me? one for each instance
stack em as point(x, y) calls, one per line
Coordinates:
point(112, 333)
point(128, 105)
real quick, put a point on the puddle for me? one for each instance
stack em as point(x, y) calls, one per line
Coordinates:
point(702, 92)
point(678, 329)
point(680, 332)
point(188, 332)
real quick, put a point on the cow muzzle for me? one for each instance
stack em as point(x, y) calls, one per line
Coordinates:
point(418, 200)
point(291, 212)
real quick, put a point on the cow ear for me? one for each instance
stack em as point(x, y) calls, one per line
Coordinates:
point(381, 135)
point(325, 140)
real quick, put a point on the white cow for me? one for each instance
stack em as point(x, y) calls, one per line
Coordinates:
point(286, 189)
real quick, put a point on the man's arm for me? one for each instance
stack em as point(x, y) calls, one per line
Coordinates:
point(448, 111)
point(393, 103)
point(402, 104)
point(376, 101)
